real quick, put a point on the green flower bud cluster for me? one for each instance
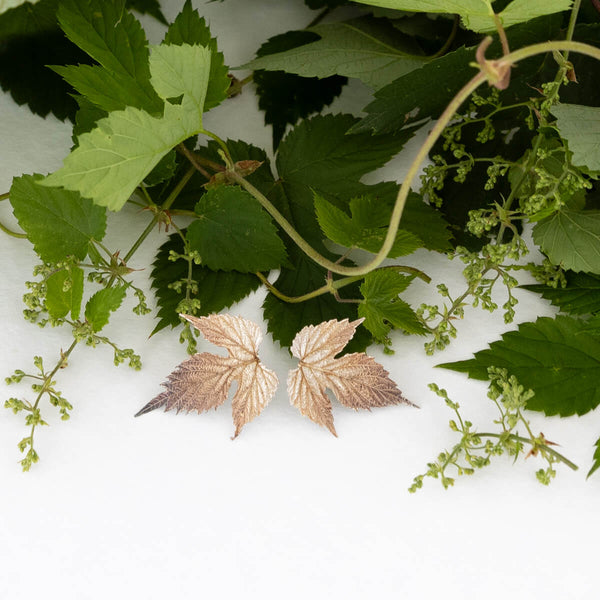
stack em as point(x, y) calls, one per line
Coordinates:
point(475, 449)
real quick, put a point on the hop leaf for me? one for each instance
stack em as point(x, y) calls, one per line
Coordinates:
point(356, 379)
point(203, 381)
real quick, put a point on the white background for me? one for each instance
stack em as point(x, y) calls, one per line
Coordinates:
point(168, 506)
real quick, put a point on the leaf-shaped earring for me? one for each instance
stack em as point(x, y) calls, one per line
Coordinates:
point(203, 381)
point(356, 379)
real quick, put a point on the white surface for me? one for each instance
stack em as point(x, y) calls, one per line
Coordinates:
point(168, 506)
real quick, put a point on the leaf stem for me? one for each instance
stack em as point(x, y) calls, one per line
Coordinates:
point(572, 23)
point(319, 17)
point(530, 441)
point(4, 196)
point(221, 143)
point(332, 286)
point(47, 383)
point(192, 158)
point(165, 206)
point(11, 232)
point(449, 40)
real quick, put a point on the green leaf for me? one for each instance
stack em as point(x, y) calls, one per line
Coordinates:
point(596, 463)
point(581, 296)
point(476, 14)
point(318, 156)
point(101, 304)
point(58, 223)
point(216, 289)
point(556, 358)
point(111, 160)
point(233, 232)
point(366, 228)
point(284, 97)
point(382, 309)
point(571, 239)
point(64, 292)
point(190, 28)
point(365, 48)
point(425, 92)
point(113, 37)
point(580, 126)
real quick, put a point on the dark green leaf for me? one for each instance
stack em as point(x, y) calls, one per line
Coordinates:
point(163, 171)
point(596, 464)
point(113, 37)
point(425, 92)
point(151, 7)
point(234, 233)
point(587, 69)
point(366, 48)
point(86, 118)
point(101, 304)
point(31, 39)
point(581, 296)
point(190, 28)
point(382, 309)
point(285, 320)
point(64, 292)
point(318, 156)
point(59, 223)
point(286, 97)
point(216, 289)
point(556, 358)
point(314, 4)
point(427, 223)
point(571, 239)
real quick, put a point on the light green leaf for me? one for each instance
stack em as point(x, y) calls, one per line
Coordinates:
point(59, 223)
point(112, 159)
point(190, 28)
point(101, 304)
point(382, 309)
point(8, 4)
point(182, 70)
point(233, 232)
point(366, 228)
point(64, 292)
point(556, 358)
point(571, 239)
point(580, 126)
point(366, 48)
point(477, 14)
